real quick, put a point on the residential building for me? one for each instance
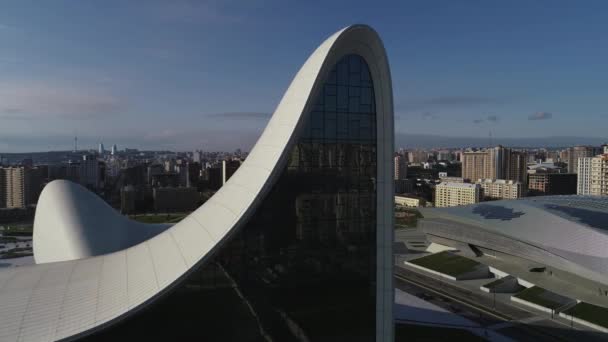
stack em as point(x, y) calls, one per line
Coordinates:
point(574, 153)
point(599, 175)
point(583, 170)
point(495, 163)
point(454, 194)
point(547, 167)
point(445, 155)
point(447, 179)
point(417, 156)
point(593, 175)
point(400, 167)
point(154, 170)
point(404, 186)
point(2, 188)
point(197, 156)
point(127, 199)
point(89, 171)
point(516, 167)
point(493, 189)
point(409, 201)
point(229, 167)
point(22, 186)
point(551, 183)
point(476, 165)
point(175, 199)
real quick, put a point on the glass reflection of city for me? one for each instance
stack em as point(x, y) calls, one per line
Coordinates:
point(306, 260)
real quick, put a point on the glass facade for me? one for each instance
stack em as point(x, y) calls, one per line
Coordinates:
point(305, 263)
point(308, 255)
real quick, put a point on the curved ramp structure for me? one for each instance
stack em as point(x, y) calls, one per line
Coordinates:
point(73, 223)
point(91, 282)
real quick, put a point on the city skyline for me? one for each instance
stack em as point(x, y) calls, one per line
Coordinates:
point(459, 70)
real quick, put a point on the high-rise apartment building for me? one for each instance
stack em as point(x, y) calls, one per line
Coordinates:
point(445, 155)
point(229, 167)
point(403, 186)
point(599, 175)
point(453, 194)
point(516, 167)
point(593, 175)
point(197, 156)
point(583, 171)
point(495, 163)
point(417, 156)
point(21, 186)
point(574, 153)
point(15, 187)
point(400, 167)
point(551, 183)
point(501, 189)
point(89, 171)
point(476, 165)
point(2, 188)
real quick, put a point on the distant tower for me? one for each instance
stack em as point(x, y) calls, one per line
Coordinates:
point(114, 149)
point(101, 149)
point(75, 143)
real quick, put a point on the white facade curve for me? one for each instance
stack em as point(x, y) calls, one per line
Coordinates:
point(73, 298)
point(73, 223)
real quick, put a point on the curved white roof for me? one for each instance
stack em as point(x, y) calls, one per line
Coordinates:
point(572, 227)
point(74, 223)
point(69, 299)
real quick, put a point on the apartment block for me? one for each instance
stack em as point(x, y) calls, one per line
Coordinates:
point(501, 189)
point(454, 194)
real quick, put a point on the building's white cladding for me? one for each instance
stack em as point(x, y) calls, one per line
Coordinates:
point(576, 243)
point(68, 299)
point(74, 223)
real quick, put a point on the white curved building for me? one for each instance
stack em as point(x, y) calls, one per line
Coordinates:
point(557, 242)
point(308, 212)
point(73, 223)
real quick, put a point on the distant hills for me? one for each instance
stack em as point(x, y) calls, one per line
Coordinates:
point(407, 140)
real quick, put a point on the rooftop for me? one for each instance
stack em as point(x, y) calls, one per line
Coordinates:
point(458, 185)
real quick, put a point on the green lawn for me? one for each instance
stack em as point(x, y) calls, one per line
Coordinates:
point(539, 296)
point(590, 313)
point(447, 263)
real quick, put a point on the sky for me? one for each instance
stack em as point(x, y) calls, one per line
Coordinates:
point(186, 75)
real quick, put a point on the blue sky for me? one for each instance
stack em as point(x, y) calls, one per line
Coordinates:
point(207, 74)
